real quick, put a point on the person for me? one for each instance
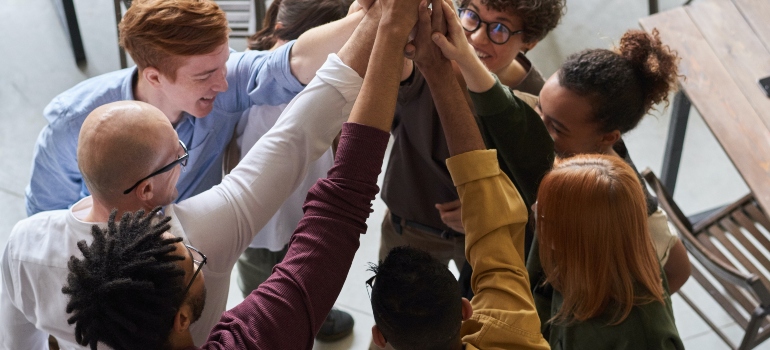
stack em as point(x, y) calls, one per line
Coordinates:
point(285, 20)
point(131, 144)
point(423, 206)
point(185, 68)
point(415, 300)
point(595, 97)
point(285, 311)
point(595, 249)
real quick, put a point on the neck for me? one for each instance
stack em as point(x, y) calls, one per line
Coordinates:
point(145, 92)
point(512, 74)
point(100, 210)
point(181, 341)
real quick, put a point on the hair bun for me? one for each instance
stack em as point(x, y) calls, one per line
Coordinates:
point(655, 63)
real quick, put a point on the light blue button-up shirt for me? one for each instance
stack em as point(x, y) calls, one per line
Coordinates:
point(253, 77)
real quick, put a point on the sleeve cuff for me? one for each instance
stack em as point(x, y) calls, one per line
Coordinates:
point(472, 166)
point(492, 101)
point(343, 78)
point(287, 79)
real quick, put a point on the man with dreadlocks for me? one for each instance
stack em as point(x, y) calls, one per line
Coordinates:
point(128, 153)
point(136, 286)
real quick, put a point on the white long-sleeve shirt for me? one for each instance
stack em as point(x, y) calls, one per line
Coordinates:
point(275, 235)
point(221, 222)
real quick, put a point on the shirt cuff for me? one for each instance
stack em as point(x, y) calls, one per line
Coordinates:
point(493, 101)
point(343, 78)
point(472, 166)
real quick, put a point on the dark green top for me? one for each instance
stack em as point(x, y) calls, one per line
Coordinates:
point(526, 154)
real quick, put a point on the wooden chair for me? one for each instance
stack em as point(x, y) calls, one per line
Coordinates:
point(728, 245)
point(243, 16)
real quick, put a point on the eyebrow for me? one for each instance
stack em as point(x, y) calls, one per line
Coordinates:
point(498, 18)
point(206, 72)
point(552, 119)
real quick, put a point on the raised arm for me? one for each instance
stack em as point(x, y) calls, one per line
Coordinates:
point(311, 48)
point(493, 215)
point(303, 288)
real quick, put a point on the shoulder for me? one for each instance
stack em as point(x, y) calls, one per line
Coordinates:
point(45, 239)
point(533, 81)
point(76, 103)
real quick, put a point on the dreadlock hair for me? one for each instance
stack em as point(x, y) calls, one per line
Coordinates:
point(127, 288)
point(416, 301)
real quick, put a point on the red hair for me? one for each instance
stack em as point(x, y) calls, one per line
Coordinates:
point(157, 33)
point(595, 247)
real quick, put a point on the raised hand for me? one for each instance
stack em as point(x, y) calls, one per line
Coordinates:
point(453, 45)
point(422, 50)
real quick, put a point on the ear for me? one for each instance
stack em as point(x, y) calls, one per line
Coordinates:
point(467, 309)
point(182, 319)
point(278, 25)
point(378, 338)
point(152, 76)
point(144, 192)
point(530, 45)
point(609, 139)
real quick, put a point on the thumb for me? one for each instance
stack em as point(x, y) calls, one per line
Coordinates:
point(442, 42)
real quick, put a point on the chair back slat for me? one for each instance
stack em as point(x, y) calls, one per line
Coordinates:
point(729, 286)
point(732, 248)
point(720, 298)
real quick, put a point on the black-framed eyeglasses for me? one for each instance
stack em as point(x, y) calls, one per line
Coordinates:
point(199, 259)
point(497, 32)
point(181, 160)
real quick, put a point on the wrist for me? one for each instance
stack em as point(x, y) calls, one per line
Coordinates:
point(395, 25)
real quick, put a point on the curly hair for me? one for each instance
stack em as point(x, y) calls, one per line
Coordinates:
point(623, 84)
point(157, 32)
point(539, 16)
point(416, 301)
point(297, 16)
point(127, 288)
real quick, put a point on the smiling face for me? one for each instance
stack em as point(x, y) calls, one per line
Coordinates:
point(198, 81)
point(568, 118)
point(496, 57)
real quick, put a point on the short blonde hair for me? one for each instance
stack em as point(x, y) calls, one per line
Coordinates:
point(157, 33)
point(595, 247)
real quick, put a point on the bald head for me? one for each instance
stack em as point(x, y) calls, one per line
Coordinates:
point(122, 142)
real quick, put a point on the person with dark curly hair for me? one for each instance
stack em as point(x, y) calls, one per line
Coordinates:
point(423, 205)
point(585, 107)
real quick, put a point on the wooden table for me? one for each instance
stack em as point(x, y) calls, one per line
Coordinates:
point(724, 47)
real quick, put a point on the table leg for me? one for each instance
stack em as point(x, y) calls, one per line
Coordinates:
point(74, 31)
point(680, 113)
point(653, 7)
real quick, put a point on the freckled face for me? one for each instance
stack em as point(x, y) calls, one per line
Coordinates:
point(198, 81)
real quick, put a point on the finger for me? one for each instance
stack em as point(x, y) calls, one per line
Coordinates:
point(438, 23)
point(409, 50)
point(451, 4)
point(453, 22)
point(443, 43)
point(424, 20)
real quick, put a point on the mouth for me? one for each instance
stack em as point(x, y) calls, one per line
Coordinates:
point(207, 100)
point(481, 54)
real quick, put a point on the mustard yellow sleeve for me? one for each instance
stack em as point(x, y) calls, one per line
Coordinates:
point(494, 217)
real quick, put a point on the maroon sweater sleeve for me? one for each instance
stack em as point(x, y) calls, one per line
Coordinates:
point(287, 310)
